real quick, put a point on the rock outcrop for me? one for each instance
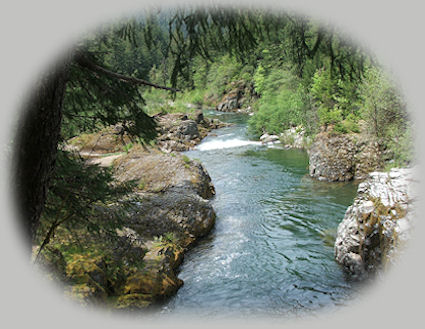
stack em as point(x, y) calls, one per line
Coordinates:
point(342, 157)
point(237, 99)
point(169, 211)
point(377, 223)
point(173, 193)
point(177, 132)
point(181, 132)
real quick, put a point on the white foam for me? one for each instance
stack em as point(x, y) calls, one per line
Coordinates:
point(220, 144)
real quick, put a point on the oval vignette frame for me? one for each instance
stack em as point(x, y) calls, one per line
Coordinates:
point(23, 296)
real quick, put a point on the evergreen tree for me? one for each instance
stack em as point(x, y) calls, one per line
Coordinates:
point(100, 82)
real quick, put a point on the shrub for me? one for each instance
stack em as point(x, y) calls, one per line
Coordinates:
point(282, 103)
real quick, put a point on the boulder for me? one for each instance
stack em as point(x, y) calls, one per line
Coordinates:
point(156, 172)
point(342, 157)
point(331, 157)
point(377, 223)
point(266, 138)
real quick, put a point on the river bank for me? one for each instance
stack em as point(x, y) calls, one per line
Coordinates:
point(167, 213)
point(268, 235)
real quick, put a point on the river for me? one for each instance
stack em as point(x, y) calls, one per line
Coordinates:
point(271, 251)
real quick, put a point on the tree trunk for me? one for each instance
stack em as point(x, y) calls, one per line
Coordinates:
point(36, 146)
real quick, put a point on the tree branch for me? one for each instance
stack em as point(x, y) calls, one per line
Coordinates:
point(83, 61)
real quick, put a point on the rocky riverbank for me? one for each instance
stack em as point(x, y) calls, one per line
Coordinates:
point(169, 212)
point(177, 132)
point(181, 132)
point(333, 157)
point(378, 223)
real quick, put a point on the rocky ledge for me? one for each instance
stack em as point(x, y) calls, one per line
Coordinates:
point(169, 212)
point(177, 132)
point(173, 213)
point(342, 157)
point(378, 223)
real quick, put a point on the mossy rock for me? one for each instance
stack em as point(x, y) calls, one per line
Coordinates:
point(134, 301)
point(88, 275)
point(142, 283)
point(107, 140)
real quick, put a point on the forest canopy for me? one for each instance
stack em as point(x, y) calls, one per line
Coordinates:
point(295, 72)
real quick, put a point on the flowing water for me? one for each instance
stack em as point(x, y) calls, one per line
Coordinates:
point(271, 251)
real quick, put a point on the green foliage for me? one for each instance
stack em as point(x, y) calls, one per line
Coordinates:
point(281, 105)
point(76, 196)
point(386, 118)
point(186, 159)
point(259, 79)
point(383, 105)
point(400, 146)
point(128, 147)
point(324, 90)
point(329, 116)
point(222, 73)
point(336, 101)
point(349, 124)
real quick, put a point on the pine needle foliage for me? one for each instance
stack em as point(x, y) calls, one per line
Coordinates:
point(83, 197)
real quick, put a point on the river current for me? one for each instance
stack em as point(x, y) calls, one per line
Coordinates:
point(271, 250)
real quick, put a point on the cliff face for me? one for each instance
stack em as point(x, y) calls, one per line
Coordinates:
point(378, 222)
point(342, 157)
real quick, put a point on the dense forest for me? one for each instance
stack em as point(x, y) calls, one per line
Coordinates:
point(292, 72)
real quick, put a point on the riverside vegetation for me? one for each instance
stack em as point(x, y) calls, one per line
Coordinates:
point(110, 204)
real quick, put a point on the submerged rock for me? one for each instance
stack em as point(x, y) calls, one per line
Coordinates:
point(378, 223)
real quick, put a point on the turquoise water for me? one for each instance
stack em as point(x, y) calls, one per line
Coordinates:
point(271, 250)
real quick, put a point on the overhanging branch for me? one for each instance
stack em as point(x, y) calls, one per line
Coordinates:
point(83, 61)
